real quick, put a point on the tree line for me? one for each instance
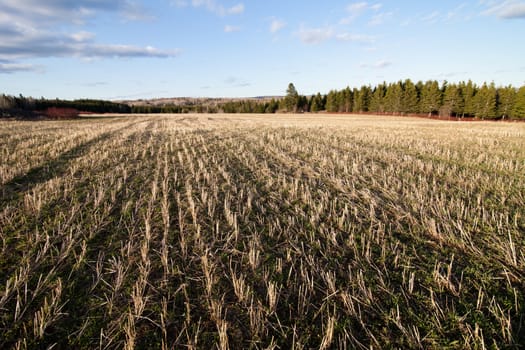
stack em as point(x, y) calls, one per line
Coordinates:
point(464, 99)
point(21, 106)
point(461, 100)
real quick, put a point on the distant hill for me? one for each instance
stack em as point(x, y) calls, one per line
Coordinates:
point(192, 101)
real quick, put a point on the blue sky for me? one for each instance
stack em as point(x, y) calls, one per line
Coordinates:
point(130, 49)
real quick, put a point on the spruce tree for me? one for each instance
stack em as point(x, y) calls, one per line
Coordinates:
point(506, 98)
point(453, 101)
point(362, 99)
point(469, 92)
point(340, 100)
point(410, 98)
point(314, 104)
point(331, 101)
point(485, 102)
point(430, 101)
point(291, 100)
point(377, 99)
point(518, 111)
point(348, 100)
point(393, 97)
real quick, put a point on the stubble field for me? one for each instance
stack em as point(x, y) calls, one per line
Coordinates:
point(287, 231)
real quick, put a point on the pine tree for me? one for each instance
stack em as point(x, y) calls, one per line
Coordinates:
point(340, 100)
point(302, 104)
point(485, 102)
point(453, 101)
point(377, 99)
point(291, 100)
point(362, 99)
point(410, 97)
point(393, 97)
point(331, 101)
point(518, 111)
point(469, 92)
point(430, 101)
point(7, 102)
point(506, 98)
point(348, 100)
point(314, 106)
point(317, 103)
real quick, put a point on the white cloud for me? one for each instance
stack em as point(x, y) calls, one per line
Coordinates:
point(133, 11)
point(95, 51)
point(276, 25)
point(357, 9)
point(382, 64)
point(456, 12)
point(35, 29)
point(238, 82)
point(360, 38)
point(62, 11)
point(217, 8)
point(432, 17)
point(231, 29)
point(315, 35)
point(82, 36)
point(380, 18)
point(510, 9)
point(236, 10)
point(377, 65)
point(179, 3)
point(319, 35)
point(9, 68)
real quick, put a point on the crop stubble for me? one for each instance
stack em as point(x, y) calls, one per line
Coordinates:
point(293, 231)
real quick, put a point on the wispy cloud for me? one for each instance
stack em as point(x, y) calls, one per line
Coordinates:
point(276, 25)
point(359, 38)
point(231, 29)
point(37, 44)
point(235, 10)
point(451, 75)
point(35, 29)
point(237, 82)
point(458, 13)
point(380, 18)
point(134, 11)
point(96, 84)
point(61, 11)
point(315, 35)
point(357, 9)
point(510, 9)
point(432, 17)
point(377, 65)
point(212, 6)
point(9, 68)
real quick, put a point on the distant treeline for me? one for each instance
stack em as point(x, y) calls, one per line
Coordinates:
point(448, 99)
point(26, 107)
point(241, 106)
point(464, 99)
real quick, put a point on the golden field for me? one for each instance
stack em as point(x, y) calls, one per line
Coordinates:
point(263, 232)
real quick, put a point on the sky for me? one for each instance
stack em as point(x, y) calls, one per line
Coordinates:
point(132, 49)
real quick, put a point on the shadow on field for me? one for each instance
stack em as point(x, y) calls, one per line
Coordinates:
point(14, 189)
